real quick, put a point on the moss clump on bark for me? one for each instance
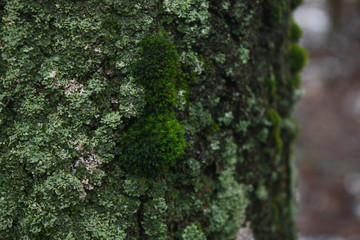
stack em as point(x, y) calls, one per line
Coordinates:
point(158, 71)
point(275, 120)
point(298, 58)
point(276, 11)
point(156, 140)
point(152, 144)
point(295, 31)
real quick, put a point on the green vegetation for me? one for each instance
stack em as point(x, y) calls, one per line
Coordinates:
point(156, 140)
point(276, 11)
point(298, 58)
point(158, 71)
point(152, 144)
point(192, 232)
point(275, 120)
point(295, 32)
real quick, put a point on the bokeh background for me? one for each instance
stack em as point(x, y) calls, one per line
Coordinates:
point(328, 147)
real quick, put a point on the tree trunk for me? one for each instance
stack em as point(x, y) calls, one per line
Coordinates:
point(147, 119)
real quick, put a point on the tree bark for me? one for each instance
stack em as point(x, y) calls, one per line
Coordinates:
point(147, 119)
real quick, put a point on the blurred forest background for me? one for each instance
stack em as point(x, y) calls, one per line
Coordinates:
point(328, 147)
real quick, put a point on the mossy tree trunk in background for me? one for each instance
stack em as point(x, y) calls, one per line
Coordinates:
point(147, 119)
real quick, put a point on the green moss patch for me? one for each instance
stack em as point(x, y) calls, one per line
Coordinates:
point(152, 144)
point(275, 119)
point(295, 32)
point(298, 58)
point(156, 140)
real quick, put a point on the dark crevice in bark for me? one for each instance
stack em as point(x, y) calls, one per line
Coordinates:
point(140, 218)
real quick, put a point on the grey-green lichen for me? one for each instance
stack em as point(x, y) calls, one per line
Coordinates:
point(192, 232)
point(69, 95)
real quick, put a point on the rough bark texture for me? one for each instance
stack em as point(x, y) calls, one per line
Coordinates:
point(205, 86)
